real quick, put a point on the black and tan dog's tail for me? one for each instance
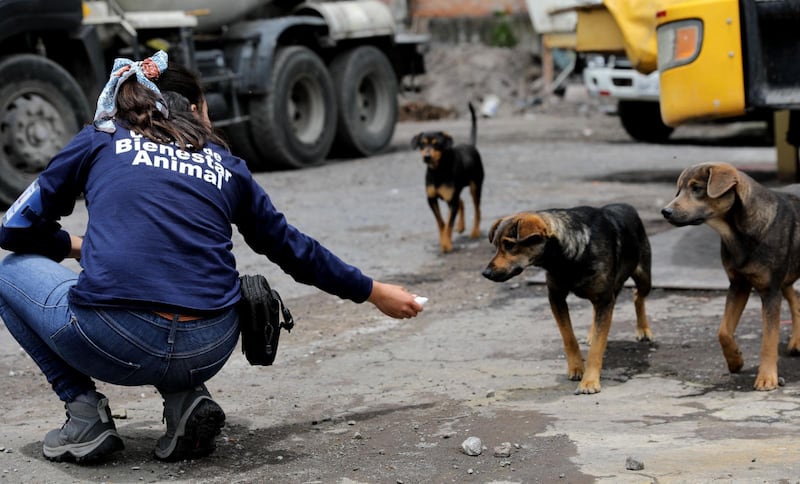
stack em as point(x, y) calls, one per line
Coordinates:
point(473, 135)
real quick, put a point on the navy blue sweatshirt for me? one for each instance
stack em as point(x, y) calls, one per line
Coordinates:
point(160, 226)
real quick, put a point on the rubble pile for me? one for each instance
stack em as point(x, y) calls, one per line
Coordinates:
point(461, 73)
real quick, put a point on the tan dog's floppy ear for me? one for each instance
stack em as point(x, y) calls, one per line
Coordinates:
point(721, 178)
point(493, 229)
point(532, 224)
point(415, 141)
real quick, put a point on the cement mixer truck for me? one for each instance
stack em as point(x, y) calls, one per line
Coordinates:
point(287, 81)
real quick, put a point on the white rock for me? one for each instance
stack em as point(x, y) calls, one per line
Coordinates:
point(472, 446)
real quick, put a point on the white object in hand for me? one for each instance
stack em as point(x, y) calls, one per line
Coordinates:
point(421, 300)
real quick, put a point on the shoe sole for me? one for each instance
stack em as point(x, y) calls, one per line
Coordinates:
point(196, 438)
point(105, 444)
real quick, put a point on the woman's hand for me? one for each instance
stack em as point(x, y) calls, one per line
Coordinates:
point(75, 249)
point(394, 300)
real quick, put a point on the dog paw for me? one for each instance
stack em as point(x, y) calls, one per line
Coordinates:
point(765, 383)
point(767, 380)
point(735, 365)
point(588, 388)
point(575, 372)
point(732, 354)
point(644, 335)
point(793, 348)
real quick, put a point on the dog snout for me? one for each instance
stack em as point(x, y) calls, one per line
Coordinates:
point(496, 274)
point(679, 216)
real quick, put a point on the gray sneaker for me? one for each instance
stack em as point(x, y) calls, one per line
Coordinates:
point(89, 434)
point(193, 421)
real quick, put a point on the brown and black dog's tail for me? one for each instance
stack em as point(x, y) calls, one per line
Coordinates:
point(473, 135)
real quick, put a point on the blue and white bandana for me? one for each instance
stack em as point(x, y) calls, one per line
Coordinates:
point(107, 102)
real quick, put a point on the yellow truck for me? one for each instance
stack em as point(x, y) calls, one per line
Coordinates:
point(616, 43)
point(722, 58)
point(616, 40)
point(713, 59)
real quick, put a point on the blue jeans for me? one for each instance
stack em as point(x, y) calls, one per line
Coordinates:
point(73, 344)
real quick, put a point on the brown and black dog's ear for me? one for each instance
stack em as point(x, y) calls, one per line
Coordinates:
point(721, 178)
point(415, 141)
point(493, 228)
point(526, 225)
point(447, 141)
point(530, 225)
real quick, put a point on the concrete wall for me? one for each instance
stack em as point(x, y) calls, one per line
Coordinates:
point(465, 8)
point(466, 21)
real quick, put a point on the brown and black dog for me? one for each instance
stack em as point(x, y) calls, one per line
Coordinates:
point(760, 245)
point(450, 170)
point(588, 251)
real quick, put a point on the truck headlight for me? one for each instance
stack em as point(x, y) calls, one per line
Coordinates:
point(679, 43)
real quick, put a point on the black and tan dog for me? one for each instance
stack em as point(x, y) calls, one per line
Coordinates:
point(760, 234)
point(588, 251)
point(450, 170)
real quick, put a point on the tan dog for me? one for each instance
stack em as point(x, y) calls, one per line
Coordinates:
point(760, 237)
point(588, 251)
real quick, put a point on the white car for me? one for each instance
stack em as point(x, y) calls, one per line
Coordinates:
point(636, 95)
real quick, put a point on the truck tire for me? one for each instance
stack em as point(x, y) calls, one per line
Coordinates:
point(243, 146)
point(41, 108)
point(295, 122)
point(366, 95)
point(642, 121)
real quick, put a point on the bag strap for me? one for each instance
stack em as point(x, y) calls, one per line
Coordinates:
point(287, 322)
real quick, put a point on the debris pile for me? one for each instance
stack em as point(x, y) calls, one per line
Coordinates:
point(461, 73)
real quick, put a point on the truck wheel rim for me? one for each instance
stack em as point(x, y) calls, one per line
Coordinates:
point(31, 131)
point(370, 111)
point(306, 108)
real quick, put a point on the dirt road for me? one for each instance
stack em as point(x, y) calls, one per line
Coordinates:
point(357, 397)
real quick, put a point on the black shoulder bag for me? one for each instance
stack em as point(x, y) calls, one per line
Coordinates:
point(262, 314)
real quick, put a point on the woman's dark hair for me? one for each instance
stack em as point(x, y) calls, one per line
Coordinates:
point(179, 79)
point(180, 88)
